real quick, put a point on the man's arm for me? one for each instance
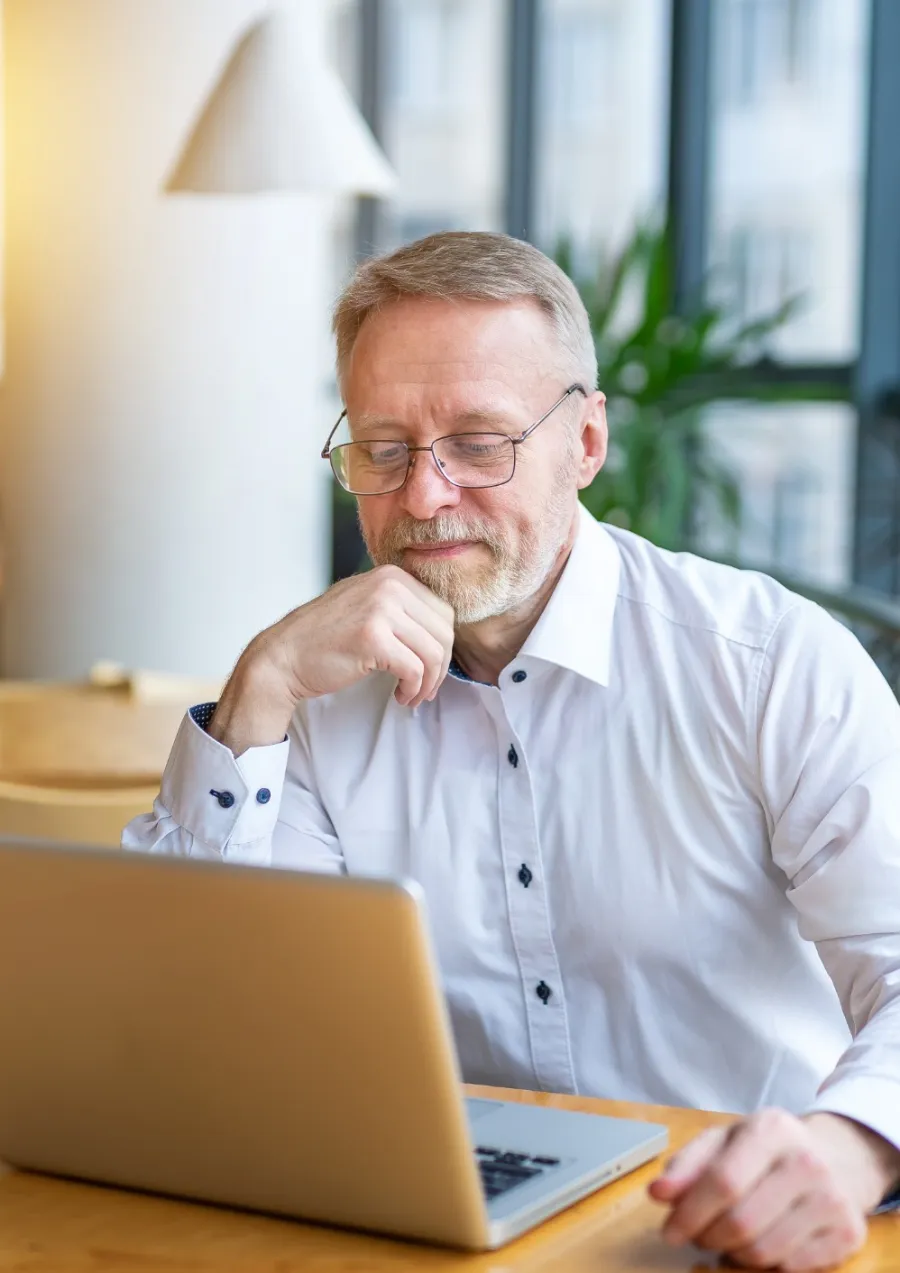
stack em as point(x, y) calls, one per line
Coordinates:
point(235, 786)
point(779, 1190)
point(829, 748)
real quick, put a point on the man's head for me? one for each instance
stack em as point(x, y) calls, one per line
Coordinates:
point(472, 333)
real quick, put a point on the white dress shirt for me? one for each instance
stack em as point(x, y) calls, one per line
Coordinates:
point(662, 857)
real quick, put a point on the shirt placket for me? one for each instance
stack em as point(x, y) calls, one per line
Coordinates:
point(529, 914)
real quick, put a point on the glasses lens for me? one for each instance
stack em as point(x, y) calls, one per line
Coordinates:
point(370, 468)
point(476, 459)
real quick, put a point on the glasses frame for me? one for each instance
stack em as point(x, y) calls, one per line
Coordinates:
point(328, 452)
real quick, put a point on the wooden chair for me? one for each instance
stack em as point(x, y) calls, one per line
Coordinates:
point(73, 816)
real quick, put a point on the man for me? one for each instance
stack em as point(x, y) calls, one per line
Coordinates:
point(652, 801)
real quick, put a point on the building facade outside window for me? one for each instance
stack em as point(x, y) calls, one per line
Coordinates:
point(788, 161)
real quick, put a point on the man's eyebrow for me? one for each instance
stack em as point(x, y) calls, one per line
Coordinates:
point(480, 417)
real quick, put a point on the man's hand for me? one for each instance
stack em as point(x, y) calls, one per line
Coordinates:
point(382, 621)
point(776, 1191)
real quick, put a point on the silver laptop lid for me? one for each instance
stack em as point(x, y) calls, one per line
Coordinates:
point(257, 1037)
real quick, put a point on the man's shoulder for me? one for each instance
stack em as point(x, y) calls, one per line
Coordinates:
point(684, 590)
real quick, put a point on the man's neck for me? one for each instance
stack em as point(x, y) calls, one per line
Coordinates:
point(484, 649)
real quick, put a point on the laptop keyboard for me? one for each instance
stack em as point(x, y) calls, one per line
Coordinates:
point(501, 1170)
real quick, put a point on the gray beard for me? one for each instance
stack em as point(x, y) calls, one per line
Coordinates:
point(504, 583)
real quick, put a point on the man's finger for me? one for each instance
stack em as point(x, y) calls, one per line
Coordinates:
point(812, 1234)
point(424, 594)
point(441, 629)
point(688, 1164)
point(791, 1182)
point(393, 656)
point(427, 649)
point(824, 1250)
point(750, 1152)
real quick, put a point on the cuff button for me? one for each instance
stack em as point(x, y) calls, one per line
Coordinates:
point(263, 796)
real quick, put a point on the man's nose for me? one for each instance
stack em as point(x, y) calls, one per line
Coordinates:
point(427, 491)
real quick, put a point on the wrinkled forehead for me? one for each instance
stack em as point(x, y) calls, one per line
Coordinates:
point(463, 353)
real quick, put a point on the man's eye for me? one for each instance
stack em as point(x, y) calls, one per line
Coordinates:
point(478, 448)
point(383, 456)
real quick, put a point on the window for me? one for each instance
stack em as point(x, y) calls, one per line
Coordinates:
point(765, 268)
point(794, 464)
point(444, 115)
point(786, 189)
point(769, 46)
point(425, 58)
point(787, 168)
point(579, 54)
point(601, 120)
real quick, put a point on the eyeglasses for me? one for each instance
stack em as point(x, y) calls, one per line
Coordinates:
point(380, 466)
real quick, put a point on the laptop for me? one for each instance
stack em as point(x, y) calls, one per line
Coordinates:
point(264, 1039)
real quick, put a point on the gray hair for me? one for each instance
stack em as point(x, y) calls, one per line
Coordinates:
point(469, 265)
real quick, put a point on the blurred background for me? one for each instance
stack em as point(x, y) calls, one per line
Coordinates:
point(721, 178)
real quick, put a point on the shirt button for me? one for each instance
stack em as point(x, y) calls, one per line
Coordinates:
point(225, 798)
point(512, 756)
point(263, 796)
point(519, 676)
point(543, 991)
point(525, 876)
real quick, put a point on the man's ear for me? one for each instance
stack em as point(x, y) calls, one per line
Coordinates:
point(594, 439)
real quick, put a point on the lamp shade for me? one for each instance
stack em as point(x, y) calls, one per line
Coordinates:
point(279, 119)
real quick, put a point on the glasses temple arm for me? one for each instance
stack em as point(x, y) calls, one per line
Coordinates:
point(528, 432)
point(326, 449)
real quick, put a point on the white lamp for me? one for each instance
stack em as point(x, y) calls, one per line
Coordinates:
point(279, 119)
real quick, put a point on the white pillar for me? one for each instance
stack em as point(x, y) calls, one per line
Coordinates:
point(161, 411)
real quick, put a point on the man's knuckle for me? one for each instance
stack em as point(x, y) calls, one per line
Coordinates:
point(372, 630)
point(726, 1184)
point(389, 586)
point(810, 1164)
point(774, 1122)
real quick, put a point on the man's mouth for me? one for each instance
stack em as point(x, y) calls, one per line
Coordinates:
point(445, 548)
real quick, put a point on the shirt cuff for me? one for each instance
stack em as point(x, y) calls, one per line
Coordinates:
point(221, 800)
point(872, 1101)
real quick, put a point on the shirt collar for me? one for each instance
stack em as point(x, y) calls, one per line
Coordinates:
point(575, 629)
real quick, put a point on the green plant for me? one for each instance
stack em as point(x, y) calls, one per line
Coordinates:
point(660, 369)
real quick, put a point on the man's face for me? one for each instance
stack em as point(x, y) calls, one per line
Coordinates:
point(422, 369)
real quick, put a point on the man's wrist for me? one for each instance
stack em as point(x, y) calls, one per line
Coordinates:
point(254, 710)
point(877, 1160)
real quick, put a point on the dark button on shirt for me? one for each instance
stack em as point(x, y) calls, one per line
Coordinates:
point(513, 757)
point(225, 798)
point(525, 876)
point(543, 991)
point(519, 676)
point(263, 796)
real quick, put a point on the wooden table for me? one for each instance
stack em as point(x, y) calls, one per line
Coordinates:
point(54, 1226)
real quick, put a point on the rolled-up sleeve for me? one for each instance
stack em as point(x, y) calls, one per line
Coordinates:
point(829, 752)
point(258, 808)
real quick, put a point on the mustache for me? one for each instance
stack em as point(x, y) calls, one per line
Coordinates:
point(409, 532)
